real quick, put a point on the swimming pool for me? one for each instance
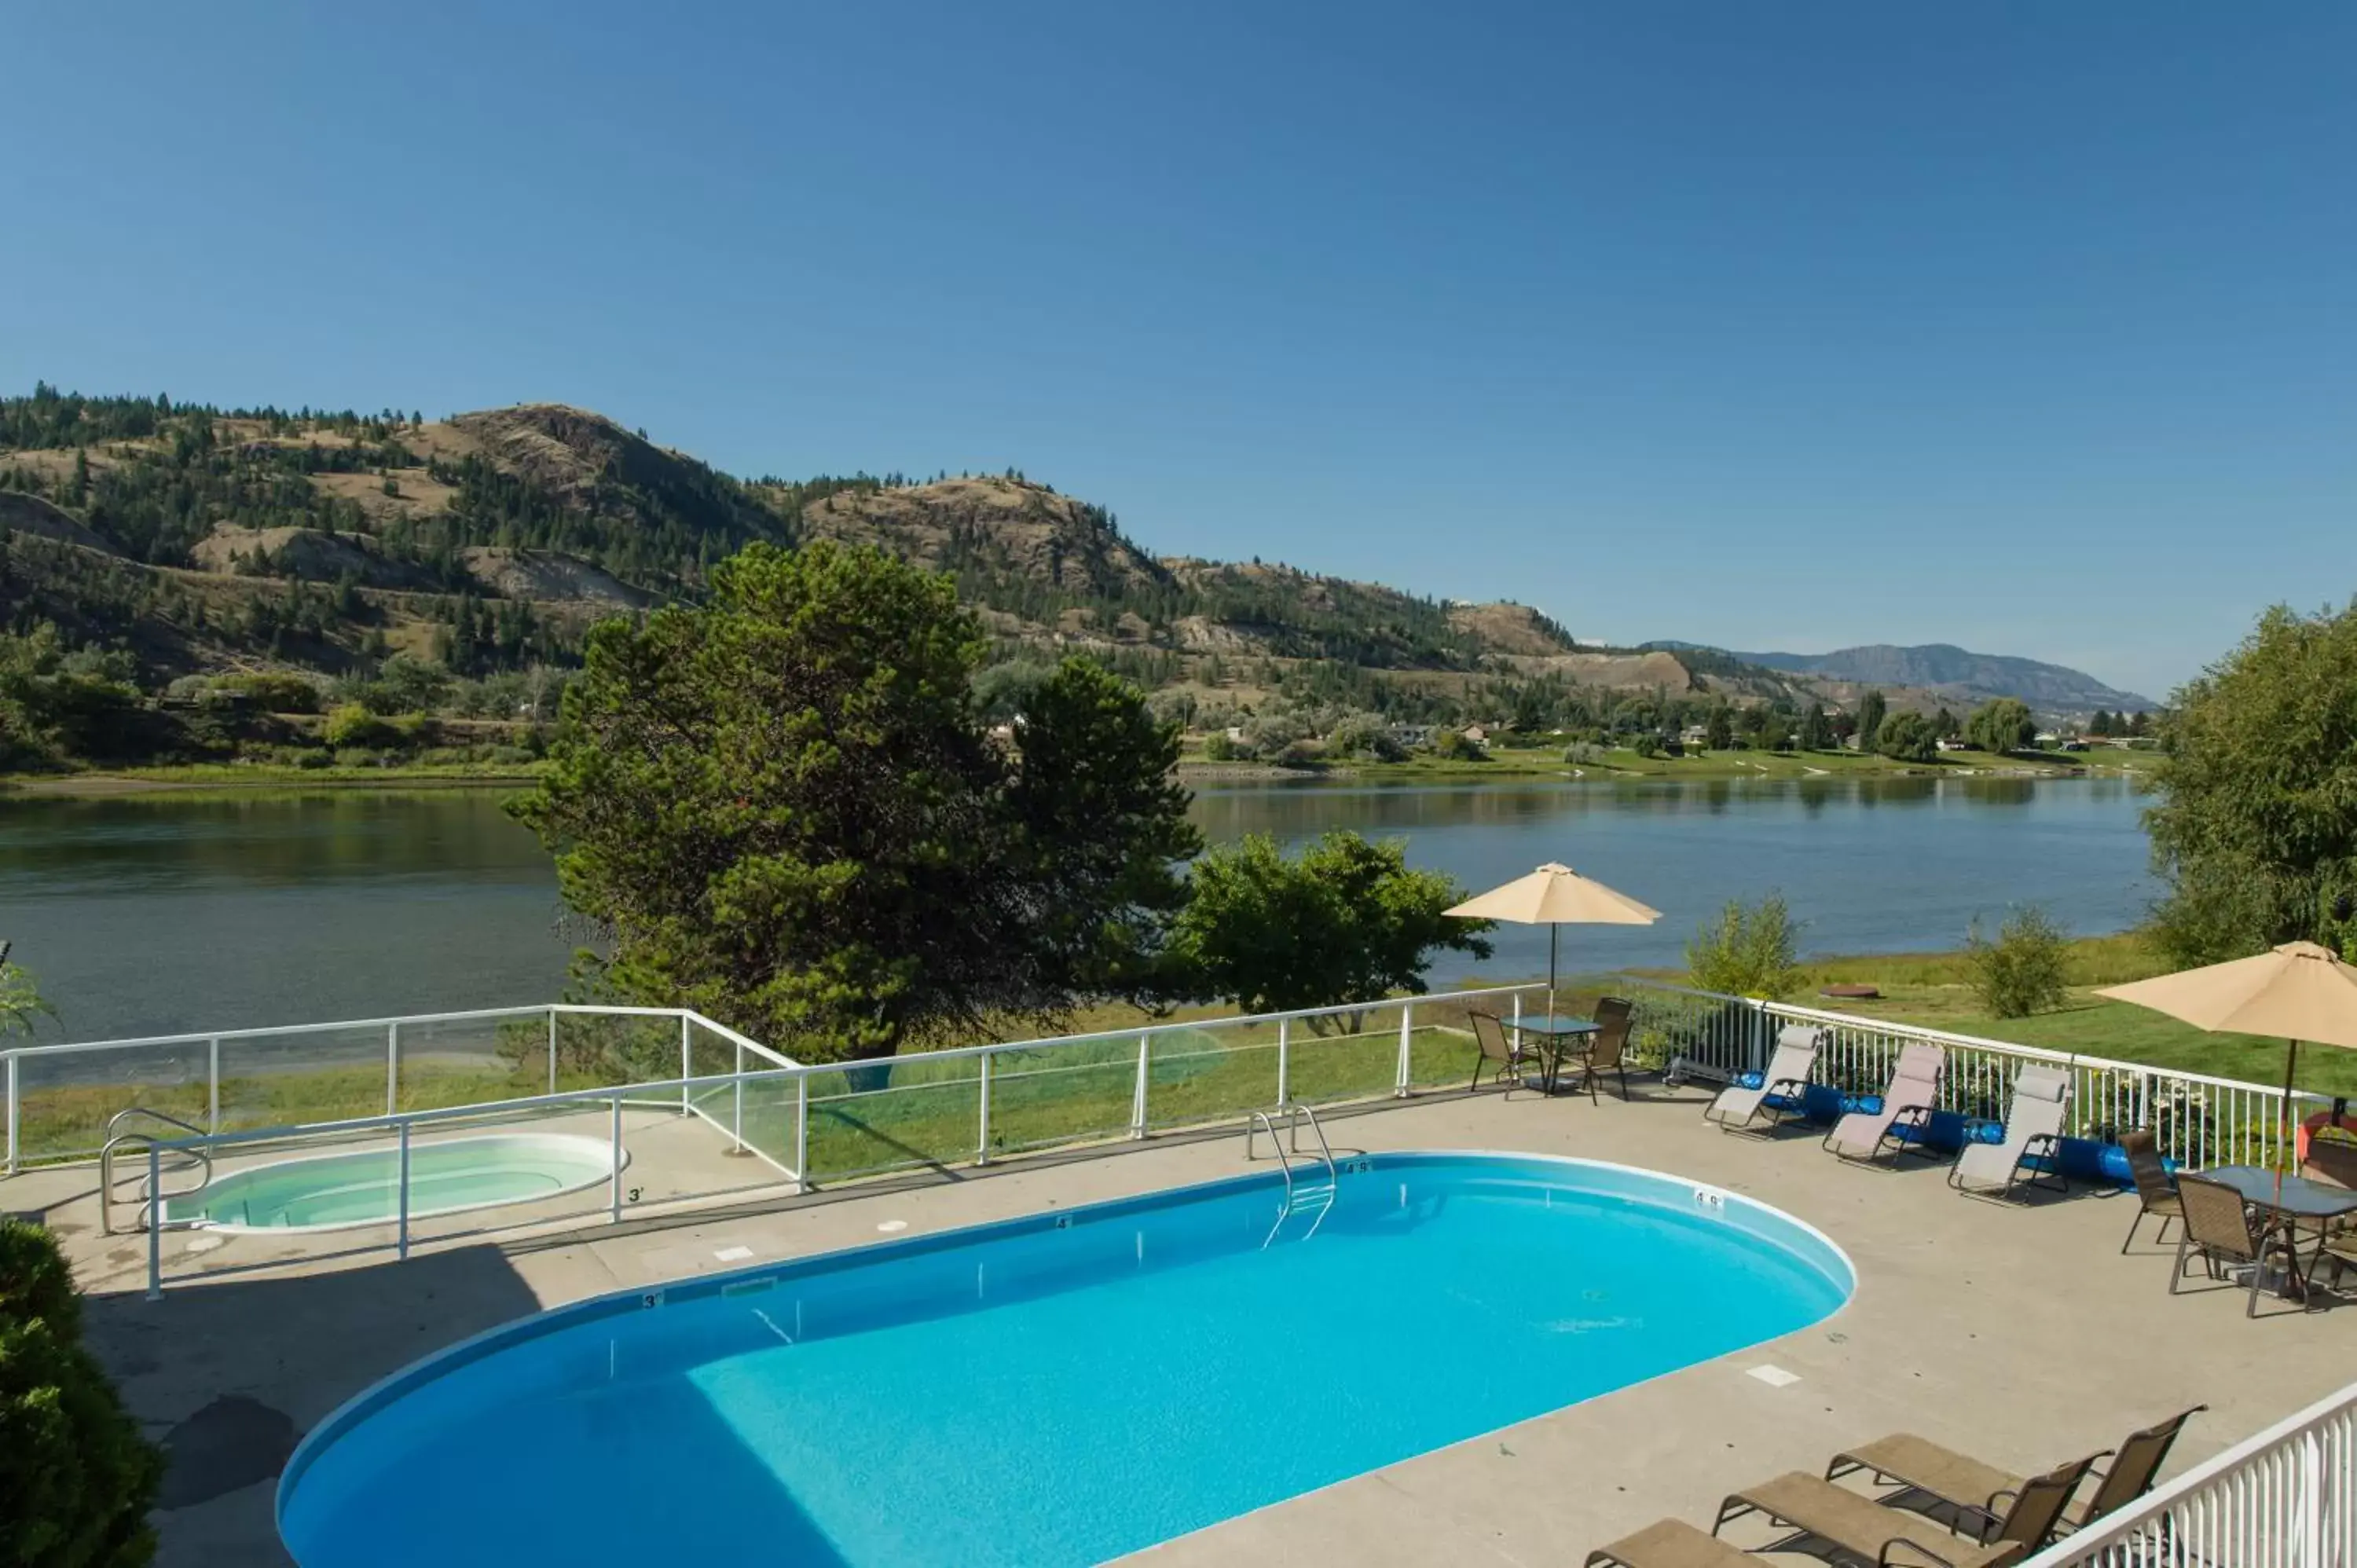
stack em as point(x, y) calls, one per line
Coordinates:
point(1053, 1390)
point(327, 1192)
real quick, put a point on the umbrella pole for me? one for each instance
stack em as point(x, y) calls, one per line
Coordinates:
point(2283, 1121)
point(1554, 931)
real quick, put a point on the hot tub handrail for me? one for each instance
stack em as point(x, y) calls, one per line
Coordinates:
point(117, 1138)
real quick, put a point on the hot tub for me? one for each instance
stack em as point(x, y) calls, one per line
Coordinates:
point(328, 1192)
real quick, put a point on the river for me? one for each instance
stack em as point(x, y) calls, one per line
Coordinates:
point(160, 913)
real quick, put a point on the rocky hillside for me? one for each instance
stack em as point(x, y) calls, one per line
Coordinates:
point(413, 527)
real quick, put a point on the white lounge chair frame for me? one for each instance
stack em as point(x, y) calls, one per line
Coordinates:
point(2033, 1139)
point(1781, 1087)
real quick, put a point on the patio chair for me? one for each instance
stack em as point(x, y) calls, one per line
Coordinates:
point(2337, 1248)
point(2156, 1188)
point(1906, 1103)
point(1607, 1049)
point(1506, 1054)
point(1670, 1543)
point(1917, 1465)
point(1859, 1528)
point(2216, 1225)
point(2033, 1138)
point(1780, 1088)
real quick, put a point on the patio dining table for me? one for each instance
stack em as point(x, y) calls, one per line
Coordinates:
point(2301, 1202)
point(1557, 1037)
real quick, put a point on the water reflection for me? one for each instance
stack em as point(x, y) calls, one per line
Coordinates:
point(1871, 864)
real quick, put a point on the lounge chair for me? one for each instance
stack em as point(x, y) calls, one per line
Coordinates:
point(2217, 1227)
point(1670, 1543)
point(1780, 1088)
point(2033, 1138)
point(1859, 1528)
point(1607, 1049)
point(1906, 1103)
point(2156, 1188)
point(1920, 1467)
point(1497, 1051)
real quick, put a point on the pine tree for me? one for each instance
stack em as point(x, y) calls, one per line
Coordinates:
point(1816, 734)
point(1871, 710)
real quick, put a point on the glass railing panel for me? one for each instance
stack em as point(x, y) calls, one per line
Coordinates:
point(296, 1075)
point(1061, 1094)
point(1210, 1072)
point(886, 1115)
point(65, 1099)
point(1346, 1056)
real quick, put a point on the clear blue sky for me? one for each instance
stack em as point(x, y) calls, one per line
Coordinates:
point(2029, 327)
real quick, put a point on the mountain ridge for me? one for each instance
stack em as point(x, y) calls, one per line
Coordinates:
point(1945, 666)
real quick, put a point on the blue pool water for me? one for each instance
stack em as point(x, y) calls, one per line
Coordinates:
point(1054, 1391)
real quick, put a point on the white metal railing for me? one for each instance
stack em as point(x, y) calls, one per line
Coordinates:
point(403, 1125)
point(966, 1104)
point(2284, 1498)
point(182, 1064)
point(2197, 1120)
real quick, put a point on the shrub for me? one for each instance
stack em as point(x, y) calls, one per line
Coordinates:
point(315, 758)
point(353, 725)
point(77, 1475)
point(2002, 725)
point(274, 690)
point(1750, 951)
point(1451, 746)
point(1908, 737)
point(1218, 747)
point(2020, 971)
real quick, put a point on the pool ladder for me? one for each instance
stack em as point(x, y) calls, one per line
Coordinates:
point(1312, 1198)
point(150, 1204)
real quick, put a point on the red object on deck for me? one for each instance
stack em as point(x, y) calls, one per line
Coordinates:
point(2305, 1133)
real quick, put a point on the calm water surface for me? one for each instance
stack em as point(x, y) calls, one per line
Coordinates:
point(156, 914)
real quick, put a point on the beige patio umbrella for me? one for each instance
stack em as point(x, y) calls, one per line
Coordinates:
point(2299, 990)
point(1555, 896)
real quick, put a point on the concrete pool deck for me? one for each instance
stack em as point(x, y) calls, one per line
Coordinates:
point(2014, 1332)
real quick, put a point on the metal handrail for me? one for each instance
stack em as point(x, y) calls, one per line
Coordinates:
point(152, 1208)
point(1294, 1111)
point(1300, 1109)
point(1252, 1129)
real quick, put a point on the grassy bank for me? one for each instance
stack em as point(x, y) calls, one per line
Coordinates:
point(231, 776)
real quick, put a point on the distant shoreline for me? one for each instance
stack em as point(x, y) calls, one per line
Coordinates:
point(1502, 767)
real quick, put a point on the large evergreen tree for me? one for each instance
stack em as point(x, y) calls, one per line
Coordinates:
point(786, 811)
